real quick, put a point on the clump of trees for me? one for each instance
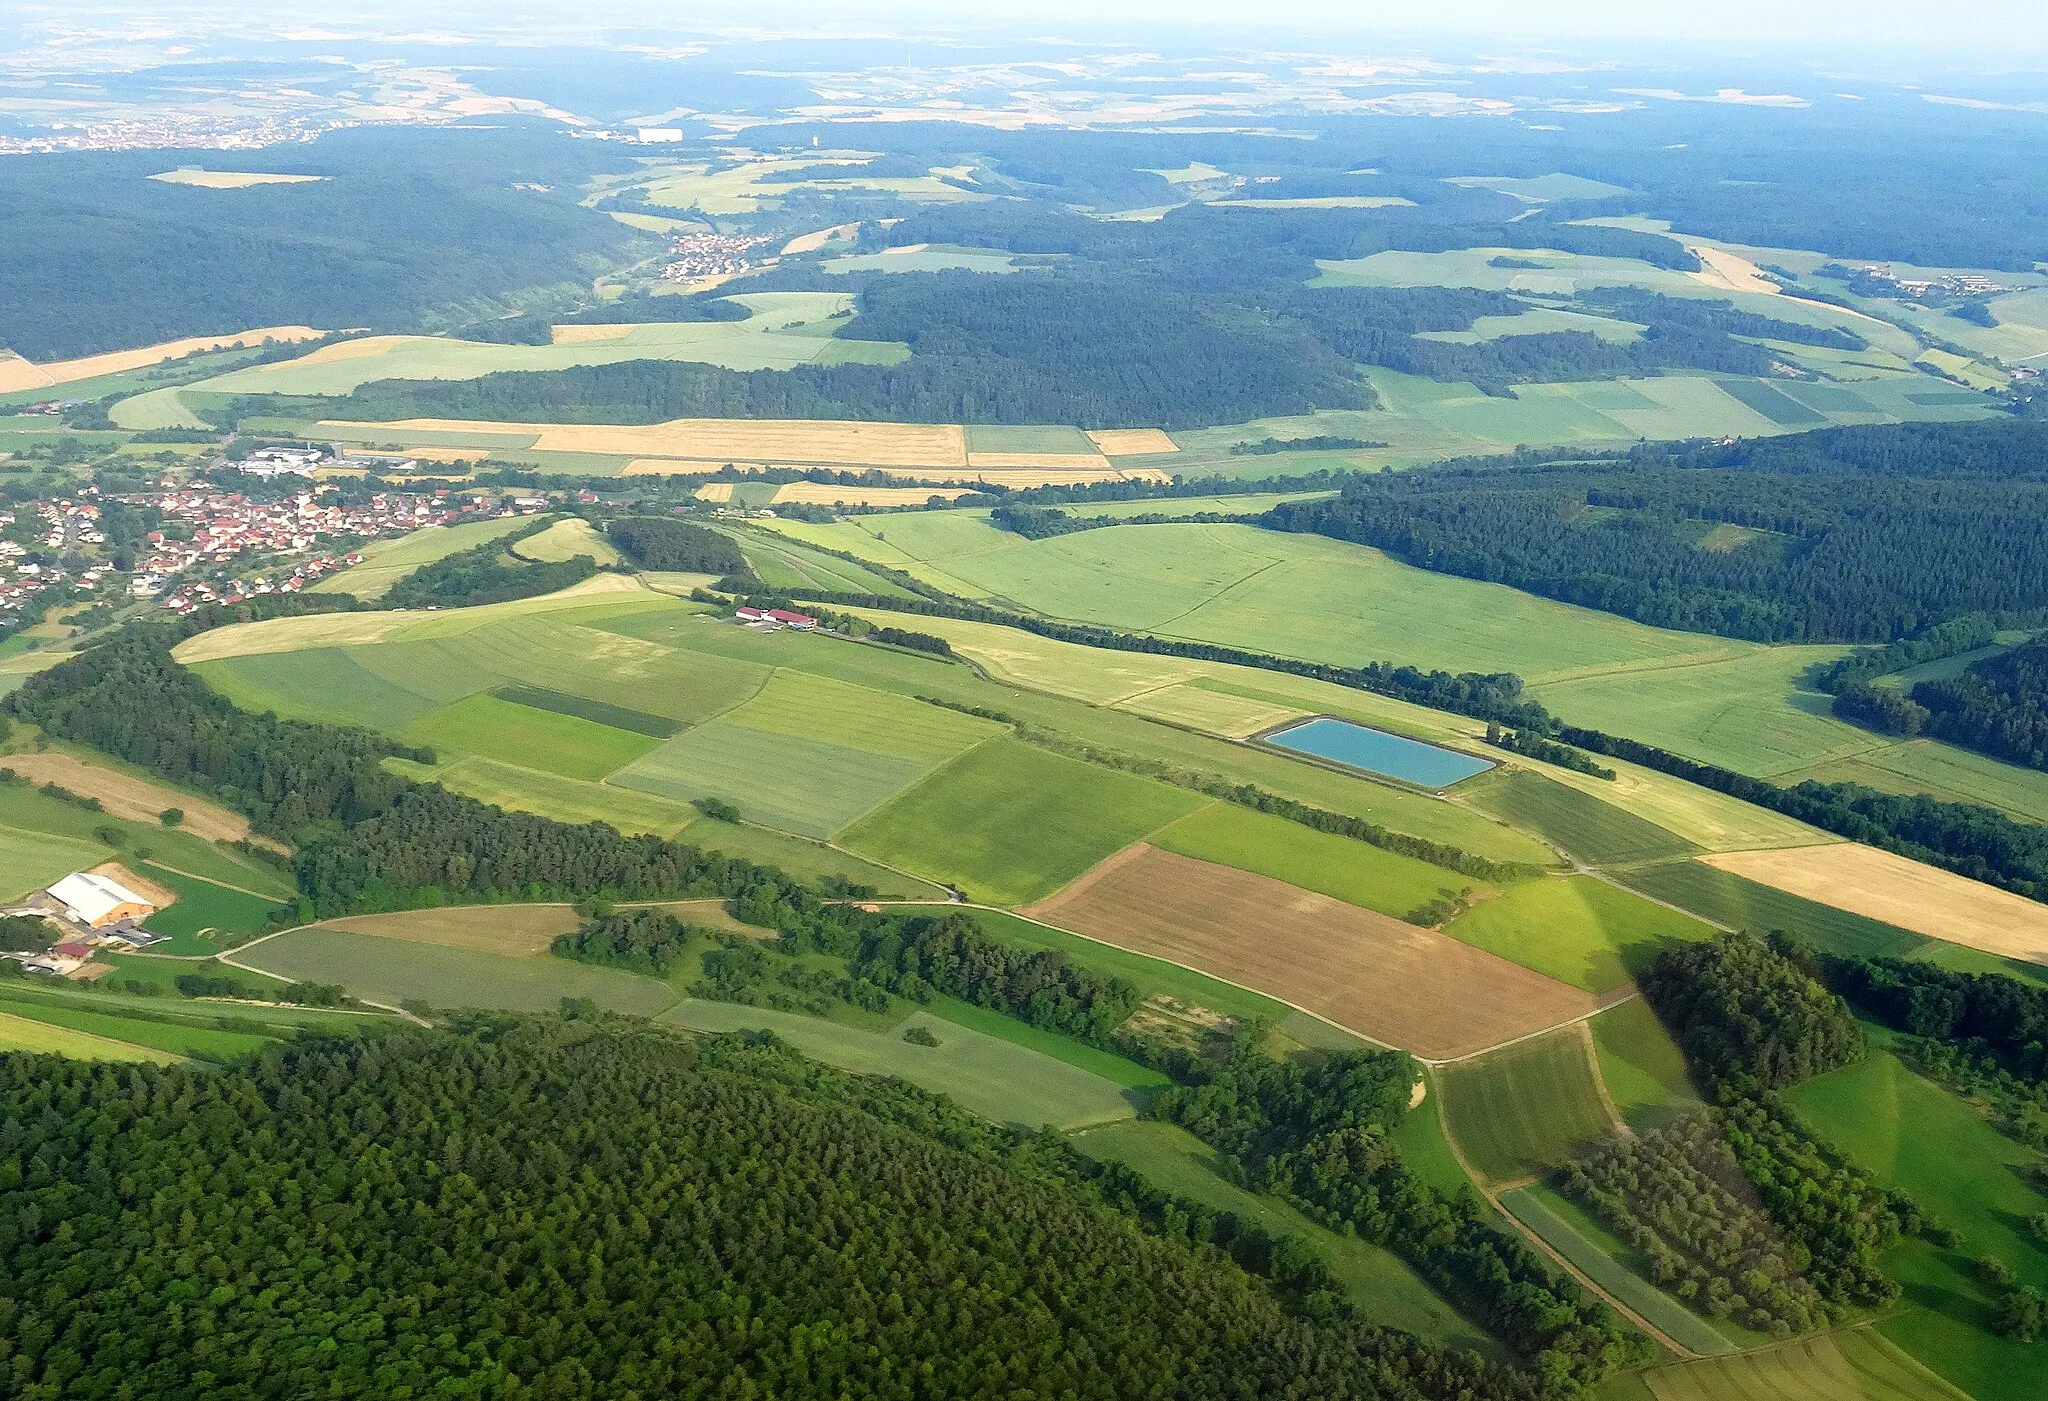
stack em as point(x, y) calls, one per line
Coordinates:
point(660, 542)
point(1746, 1015)
point(1680, 1198)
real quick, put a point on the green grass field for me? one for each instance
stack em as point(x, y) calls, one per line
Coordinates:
point(993, 1076)
point(44, 1038)
point(1592, 830)
point(204, 907)
point(1662, 1311)
point(1751, 712)
point(389, 684)
point(396, 971)
point(1010, 824)
point(172, 1038)
point(1385, 1289)
point(550, 795)
point(519, 734)
point(757, 343)
point(783, 563)
point(58, 827)
point(1956, 775)
point(385, 562)
point(1295, 595)
point(1578, 929)
point(1641, 1066)
point(787, 782)
point(1855, 1364)
point(801, 705)
point(597, 712)
point(1079, 1054)
point(31, 860)
point(1426, 1150)
point(1518, 1112)
point(1932, 1145)
point(1336, 866)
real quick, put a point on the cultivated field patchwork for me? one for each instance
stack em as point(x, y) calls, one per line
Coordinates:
point(1897, 891)
point(1385, 979)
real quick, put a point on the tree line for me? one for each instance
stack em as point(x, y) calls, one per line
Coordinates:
point(488, 573)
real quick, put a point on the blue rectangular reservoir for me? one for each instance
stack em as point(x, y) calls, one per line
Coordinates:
point(1377, 752)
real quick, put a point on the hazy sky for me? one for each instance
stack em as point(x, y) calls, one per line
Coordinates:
point(1984, 26)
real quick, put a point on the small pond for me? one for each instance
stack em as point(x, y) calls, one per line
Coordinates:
point(1377, 752)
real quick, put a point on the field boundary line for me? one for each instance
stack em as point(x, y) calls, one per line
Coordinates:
point(1613, 1001)
point(1493, 1200)
point(1585, 1037)
point(209, 880)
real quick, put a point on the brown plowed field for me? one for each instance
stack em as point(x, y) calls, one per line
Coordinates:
point(1400, 985)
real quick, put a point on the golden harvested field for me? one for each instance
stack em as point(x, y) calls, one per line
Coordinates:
point(1382, 978)
point(812, 242)
point(1042, 461)
point(230, 179)
point(16, 373)
point(438, 452)
point(522, 931)
point(669, 467)
point(582, 335)
point(1132, 442)
point(1879, 885)
point(823, 494)
point(1019, 478)
point(137, 799)
point(732, 439)
point(688, 446)
point(1730, 272)
point(718, 493)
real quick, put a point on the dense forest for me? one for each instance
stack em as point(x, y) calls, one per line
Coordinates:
point(1846, 534)
point(100, 257)
point(567, 1208)
point(1998, 705)
point(1746, 1015)
point(487, 573)
point(1197, 318)
point(1985, 1012)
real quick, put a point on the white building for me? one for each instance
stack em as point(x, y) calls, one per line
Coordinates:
point(98, 900)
